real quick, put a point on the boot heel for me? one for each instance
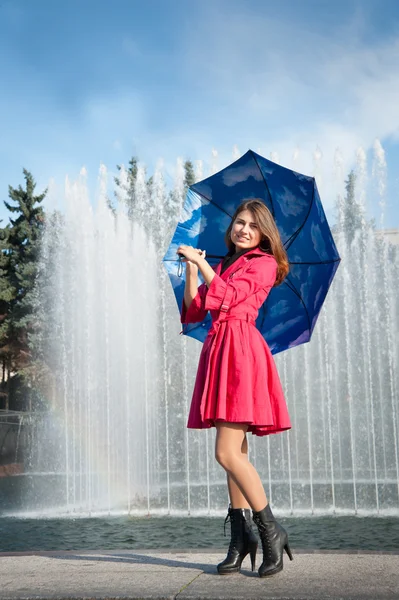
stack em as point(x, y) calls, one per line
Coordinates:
point(288, 551)
point(253, 550)
point(243, 541)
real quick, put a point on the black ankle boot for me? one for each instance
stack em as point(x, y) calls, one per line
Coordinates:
point(243, 541)
point(274, 539)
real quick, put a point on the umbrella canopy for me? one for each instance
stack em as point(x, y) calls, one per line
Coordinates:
point(289, 314)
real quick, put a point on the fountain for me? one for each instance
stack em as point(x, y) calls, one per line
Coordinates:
point(115, 437)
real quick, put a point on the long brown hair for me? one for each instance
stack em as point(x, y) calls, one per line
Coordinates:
point(270, 237)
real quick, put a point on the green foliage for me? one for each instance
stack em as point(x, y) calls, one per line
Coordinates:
point(20, 244)
point(189, 176)
point(350, 212)
point(7, 292)
point(129, 193)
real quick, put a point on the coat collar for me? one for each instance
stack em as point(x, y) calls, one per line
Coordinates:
point(242, 260)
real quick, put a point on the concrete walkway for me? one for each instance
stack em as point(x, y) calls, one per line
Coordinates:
point(192, 575)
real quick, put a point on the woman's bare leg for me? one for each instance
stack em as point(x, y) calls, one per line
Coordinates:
point(237, 499)
point(228, 453)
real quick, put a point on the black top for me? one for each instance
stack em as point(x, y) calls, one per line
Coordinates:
point(231, 257)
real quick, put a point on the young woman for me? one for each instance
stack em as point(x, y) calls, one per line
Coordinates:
point(237, 387)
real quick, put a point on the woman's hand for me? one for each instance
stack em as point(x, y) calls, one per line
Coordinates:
point(195, 260)
point(191, 254)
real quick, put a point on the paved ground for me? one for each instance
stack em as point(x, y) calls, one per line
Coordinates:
point(192, 575)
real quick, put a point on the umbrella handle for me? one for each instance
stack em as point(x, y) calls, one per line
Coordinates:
point(180, 266)
point(203, 253)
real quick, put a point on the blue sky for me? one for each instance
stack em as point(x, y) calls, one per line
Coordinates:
point(84, 82)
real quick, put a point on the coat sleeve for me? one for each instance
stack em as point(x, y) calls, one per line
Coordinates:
point(197, 311)
point(260, 274)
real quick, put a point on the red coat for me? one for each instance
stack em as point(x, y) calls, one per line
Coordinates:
point(237, 379)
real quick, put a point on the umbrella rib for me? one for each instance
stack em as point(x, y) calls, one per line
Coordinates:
point(211, 201)
point(264, 181)
point(293, 237)
point(183, 227)
point(292, 287)
point(176, 259)
point(322, 262)
point(197, 325)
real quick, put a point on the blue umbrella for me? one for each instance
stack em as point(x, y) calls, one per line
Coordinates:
point(289, 314)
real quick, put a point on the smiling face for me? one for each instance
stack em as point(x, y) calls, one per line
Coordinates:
point(245, 231)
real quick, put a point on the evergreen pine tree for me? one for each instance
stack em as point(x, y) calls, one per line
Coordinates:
point(351, 215)
point(20, 263)
point(129, 193)
point(7, 292)
point(189, 176)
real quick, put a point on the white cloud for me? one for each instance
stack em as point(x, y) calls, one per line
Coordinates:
point(283, 87)
point(273, 85)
